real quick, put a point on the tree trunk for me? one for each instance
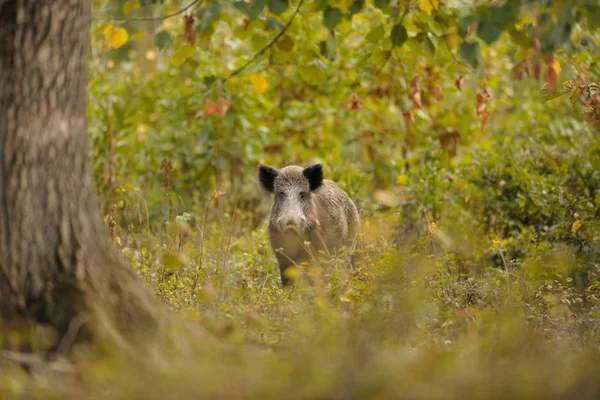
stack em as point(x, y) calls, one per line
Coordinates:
point(57, 266)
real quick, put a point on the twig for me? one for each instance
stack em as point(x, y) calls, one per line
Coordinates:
point(267, 47)
point(428, 224)
point(201, 256)
point(387, 58)
point(156, 19)
point(389, 55)
point(444, 37)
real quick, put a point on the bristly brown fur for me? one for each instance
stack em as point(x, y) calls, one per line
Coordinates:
point(306, 207)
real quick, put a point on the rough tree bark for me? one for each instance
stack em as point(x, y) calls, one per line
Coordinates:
point(57, 266)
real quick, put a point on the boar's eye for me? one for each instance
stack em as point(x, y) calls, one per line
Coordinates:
point(303, 195)
point(280, 194)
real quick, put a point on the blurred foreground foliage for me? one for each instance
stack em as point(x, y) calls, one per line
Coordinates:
point(480, 197)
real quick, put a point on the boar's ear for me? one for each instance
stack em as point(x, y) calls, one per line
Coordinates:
point(314, 174)
point(266, 176)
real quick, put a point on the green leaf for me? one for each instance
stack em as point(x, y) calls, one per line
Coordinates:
point(489, 30)
point(425, 40)
point(399, 35)
point(278, 6)
point(356, 7)
point(464, 24)
point(259, 41)
point(471, 52)
point(506, 14)
point(163, 40)
point(252, 10)
point(555, 38)
point(274, 24)
point(381, 3)
point(311, 74)
point(286, 43)
point(209, 80)
point(376, 34)
point(549, 94)
point(207, 15)
point(332, 17)
point(575, 93)
point(173, 261)
point(329, 47)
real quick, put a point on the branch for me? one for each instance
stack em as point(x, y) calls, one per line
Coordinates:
point(267, 47)
point(389, 55)
point(154, 19)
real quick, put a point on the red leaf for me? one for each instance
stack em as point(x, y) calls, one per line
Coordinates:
point(188, 29)
point(438, 93)
point(222, 106)
point(416, 98)
point(246, 23)
point(486, 95)
point(551, 77)
point(485, 116)
point(481, 100)
point(356, 104)
point(459, 82)
point(409, 116)
point(518, 75)
point(416, 83)
point(209, 108)
point(526, 66)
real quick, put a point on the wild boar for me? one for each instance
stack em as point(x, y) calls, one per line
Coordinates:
point(306, 207)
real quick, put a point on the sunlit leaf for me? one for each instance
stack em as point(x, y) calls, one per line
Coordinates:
point(311, 74)
point(402, 180)
point(286, 43)
point(115, 37)
point(376, 34)
point(260, 83)
point(329, 47)
point(576, 225)
point(429, 5)
point(130, 5)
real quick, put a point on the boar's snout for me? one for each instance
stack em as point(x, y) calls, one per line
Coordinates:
point(296, 223)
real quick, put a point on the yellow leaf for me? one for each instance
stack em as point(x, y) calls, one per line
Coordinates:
point(525, 20)
point(402, 180)
point(429, 5)
point(115, 37)
point(130, 6)
point(343, 5)
point(556, 66)
point(217, 194)
point(260, 83)
point(576, 225)
point(182, 54)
